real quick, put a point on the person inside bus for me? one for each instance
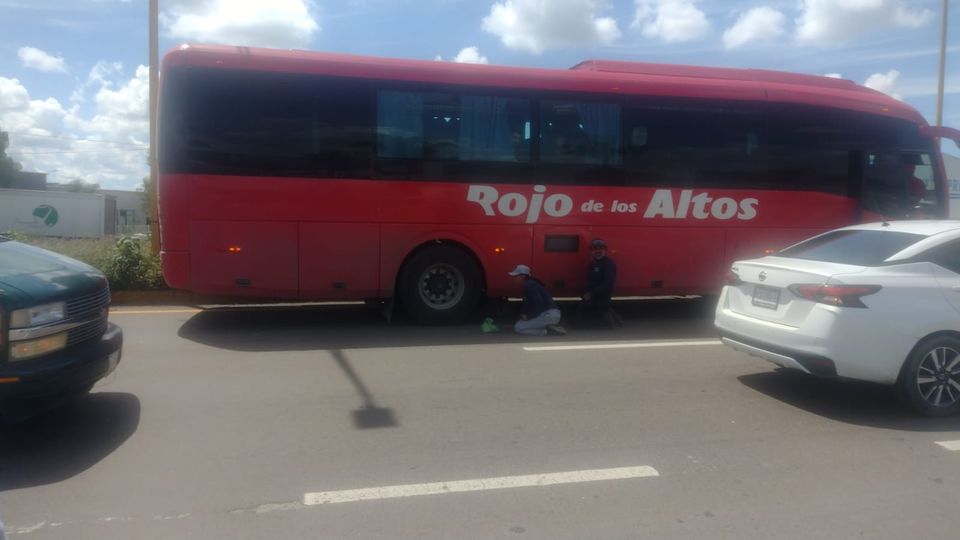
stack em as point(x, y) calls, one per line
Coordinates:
point(601, 278)
point(916, 191)
point(539, 314)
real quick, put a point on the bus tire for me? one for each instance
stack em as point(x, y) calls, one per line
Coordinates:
point(440, 285)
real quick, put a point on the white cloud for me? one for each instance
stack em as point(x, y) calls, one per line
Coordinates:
point(537, 25)
point(34, 58)
point(277, 23)
point(758, 24)
point(19, 113)
point(833, 75)
point(467, 55)
point(109, 147)
point(470, 55)
point(13, 96)
point(884, 82)
point(671, 21)
point(834, 22)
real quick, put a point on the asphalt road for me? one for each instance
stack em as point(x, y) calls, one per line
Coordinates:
point(223, 424)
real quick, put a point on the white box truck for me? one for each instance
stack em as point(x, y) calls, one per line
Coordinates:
point(52, 213)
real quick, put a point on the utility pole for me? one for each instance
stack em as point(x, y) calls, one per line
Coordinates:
point(943, 60)
point(154, 92)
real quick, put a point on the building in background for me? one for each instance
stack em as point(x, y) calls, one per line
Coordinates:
point(129, 211)
point(36, 207)
point(952, 165)
point(29, 180)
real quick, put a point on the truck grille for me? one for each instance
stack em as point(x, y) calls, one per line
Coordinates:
point(86, 307)
point(89, 305)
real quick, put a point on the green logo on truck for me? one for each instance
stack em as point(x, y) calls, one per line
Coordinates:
point(47, 213)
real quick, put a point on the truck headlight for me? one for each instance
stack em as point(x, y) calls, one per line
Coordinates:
point(25, 350)
point(38, 315)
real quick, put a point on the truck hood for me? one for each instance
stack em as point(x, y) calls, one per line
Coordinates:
point(30, 276)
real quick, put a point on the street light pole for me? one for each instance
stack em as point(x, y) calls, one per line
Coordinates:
point(154, 90)
point(943, 59)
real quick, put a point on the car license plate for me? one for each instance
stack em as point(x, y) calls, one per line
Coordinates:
point(766, 297)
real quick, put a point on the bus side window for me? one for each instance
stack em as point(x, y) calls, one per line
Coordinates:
point(441, 127)
point(494, 128)
point(580, 132)
point(658, 150)
point(399, 124)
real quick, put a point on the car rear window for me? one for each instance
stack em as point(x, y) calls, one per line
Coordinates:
point(862, 248)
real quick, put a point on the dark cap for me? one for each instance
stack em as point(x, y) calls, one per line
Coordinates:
point(597, 242)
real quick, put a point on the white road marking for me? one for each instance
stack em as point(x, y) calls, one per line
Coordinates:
point(635, 345)
point(478, 484)
point(150, 311)
point(950, 445)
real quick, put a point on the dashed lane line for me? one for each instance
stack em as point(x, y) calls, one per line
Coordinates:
point(950, 445)
point(478, 484)
point(634, 345)
point(151, 311)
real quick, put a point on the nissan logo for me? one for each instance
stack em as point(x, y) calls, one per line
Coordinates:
point(763, 276)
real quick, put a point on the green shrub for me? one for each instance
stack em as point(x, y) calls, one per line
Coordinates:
point(16, 236)
point(132, 269)
point(126, 261)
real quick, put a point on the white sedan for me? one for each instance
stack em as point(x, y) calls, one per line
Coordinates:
point(876, 302)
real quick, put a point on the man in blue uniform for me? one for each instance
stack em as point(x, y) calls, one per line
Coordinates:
point(538, 313)
point(601, 278)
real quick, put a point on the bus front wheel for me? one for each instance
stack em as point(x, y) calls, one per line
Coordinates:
point(440, 285)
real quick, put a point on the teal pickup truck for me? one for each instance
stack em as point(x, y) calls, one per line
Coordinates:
point(55, 340)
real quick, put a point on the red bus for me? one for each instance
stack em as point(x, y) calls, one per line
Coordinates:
point(312, 176)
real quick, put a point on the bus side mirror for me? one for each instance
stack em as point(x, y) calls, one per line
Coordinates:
point(942, 132)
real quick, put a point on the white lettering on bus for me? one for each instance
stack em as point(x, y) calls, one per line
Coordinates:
point(661, 205)
point(515, 204)
point(699, 206)
point(485, 196)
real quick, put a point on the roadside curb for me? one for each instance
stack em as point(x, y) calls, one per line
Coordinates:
point(166, 297)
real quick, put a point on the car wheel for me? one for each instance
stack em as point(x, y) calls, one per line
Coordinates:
point(440, 285)
point(930, 380)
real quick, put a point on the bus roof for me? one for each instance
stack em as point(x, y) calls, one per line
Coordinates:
point(600, 76)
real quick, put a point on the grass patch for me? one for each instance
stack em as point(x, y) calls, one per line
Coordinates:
point(126, 261)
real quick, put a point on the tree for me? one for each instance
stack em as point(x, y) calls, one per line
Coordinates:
point(8, 167)
point(147, 195)
point(79, 186)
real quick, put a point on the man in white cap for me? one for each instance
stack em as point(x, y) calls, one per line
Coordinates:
point(538, 313)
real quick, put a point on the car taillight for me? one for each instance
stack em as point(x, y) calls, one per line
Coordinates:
point(732, 278)
point(834, 295)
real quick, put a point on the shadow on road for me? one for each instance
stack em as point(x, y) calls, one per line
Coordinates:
point(369, 415)
point(349, 327)
point(852, 402)
point(66, 441)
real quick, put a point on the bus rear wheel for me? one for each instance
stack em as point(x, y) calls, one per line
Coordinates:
point(440, 285)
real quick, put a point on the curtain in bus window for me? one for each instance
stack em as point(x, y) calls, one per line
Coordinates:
point(441, 127)
point(399, 124)
point(491, 129)
point(601, 124)
point(579, 132)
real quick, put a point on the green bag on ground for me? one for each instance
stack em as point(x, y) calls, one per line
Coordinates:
point(488, 326)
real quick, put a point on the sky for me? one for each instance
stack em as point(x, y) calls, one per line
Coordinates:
point(74, 73)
